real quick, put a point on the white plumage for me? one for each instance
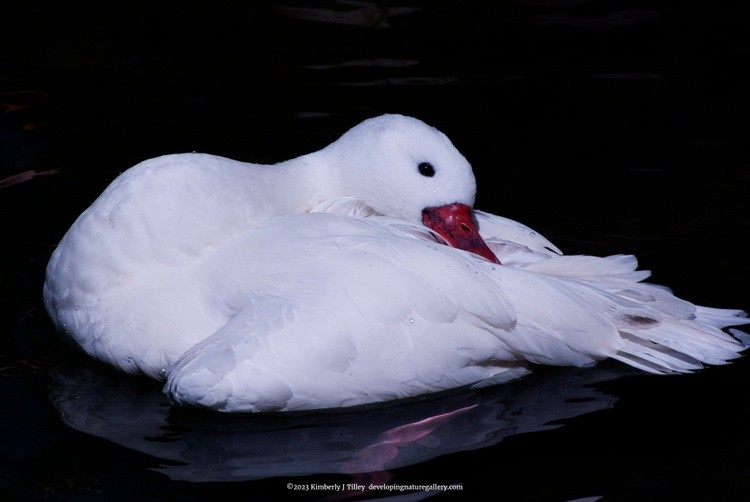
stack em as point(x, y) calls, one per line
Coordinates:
point(316, 282)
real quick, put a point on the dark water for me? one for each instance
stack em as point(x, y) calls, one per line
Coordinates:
point(609, 126)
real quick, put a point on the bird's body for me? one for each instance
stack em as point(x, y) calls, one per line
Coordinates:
point(316, 282)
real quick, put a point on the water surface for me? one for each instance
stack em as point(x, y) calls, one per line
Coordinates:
point(610, 127)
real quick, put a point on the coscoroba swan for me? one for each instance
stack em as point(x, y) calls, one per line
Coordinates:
point(356, 274)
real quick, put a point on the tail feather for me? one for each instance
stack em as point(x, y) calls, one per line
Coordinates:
point(721, 318)
point(680, 345)
point(653, 357)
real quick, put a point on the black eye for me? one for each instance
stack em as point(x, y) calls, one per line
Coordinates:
point(426, 169)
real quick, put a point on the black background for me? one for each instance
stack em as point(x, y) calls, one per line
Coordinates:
point(610, 126)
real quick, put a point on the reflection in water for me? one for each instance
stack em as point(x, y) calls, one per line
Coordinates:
point(366, 63)
point(200, 446)
point(29, 175)
point(424, 81)
point(614, 20)
point(361, 14)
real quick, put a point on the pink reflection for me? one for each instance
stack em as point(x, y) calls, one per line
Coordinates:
point(15, 179)
point(369, 463)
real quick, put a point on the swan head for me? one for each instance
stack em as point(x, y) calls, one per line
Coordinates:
point(404, 168)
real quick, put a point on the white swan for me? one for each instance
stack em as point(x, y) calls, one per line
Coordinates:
point(324, 281)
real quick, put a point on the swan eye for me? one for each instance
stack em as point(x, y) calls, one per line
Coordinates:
point(426, 169)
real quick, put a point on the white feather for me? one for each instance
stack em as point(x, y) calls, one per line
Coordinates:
point(313, 284)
